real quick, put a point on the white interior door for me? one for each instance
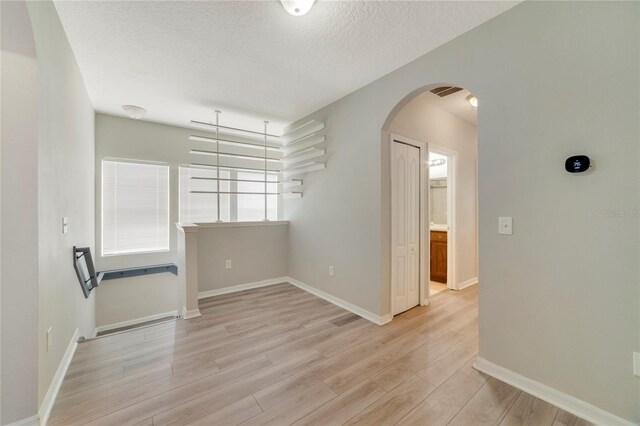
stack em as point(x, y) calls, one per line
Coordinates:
point(405, 228)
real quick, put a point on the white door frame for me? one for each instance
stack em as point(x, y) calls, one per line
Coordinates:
point(424, 218)
point(452, 177)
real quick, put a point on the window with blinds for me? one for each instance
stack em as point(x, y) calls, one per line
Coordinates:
point(241, 195)
point(135, 207)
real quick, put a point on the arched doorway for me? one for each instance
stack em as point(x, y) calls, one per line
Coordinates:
point(438, 119)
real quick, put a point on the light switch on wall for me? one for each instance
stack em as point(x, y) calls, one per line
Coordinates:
point(65, 225)
point(228, 264)
point(505, 225)
point(49, 339)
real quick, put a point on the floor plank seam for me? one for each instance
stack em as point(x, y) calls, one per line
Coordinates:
point(466, 402)
point(506, 411)
point(269, 344)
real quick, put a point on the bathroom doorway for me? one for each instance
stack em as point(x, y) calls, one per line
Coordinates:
point(441, 189)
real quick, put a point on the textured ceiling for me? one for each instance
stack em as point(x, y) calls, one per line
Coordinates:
point(251, 59)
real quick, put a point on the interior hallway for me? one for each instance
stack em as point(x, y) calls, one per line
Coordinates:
point(279, 355)
point(436, 287)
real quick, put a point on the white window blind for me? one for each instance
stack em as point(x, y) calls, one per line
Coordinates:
point(135, 207)
point(239, 201)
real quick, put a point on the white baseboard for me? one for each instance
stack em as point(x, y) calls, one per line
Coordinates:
point(29, 421)
point(467, 283)
point(376, 319)
point(370, 316)
point(54, 387)
point(241, 287)
point(193, 313)
point(108, 327)
point(568, 403)
point(385, 319)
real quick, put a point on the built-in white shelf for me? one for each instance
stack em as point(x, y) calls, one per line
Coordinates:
point(233, 224)
point(299, 150)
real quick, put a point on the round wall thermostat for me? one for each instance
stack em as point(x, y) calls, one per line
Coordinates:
point(577, 164)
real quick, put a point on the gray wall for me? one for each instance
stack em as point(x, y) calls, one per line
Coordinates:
point(438, 201)
point(337, 223)
point(47, 173)
point(19, 217)
point(65, 188)
point(257, 253)
point(129, 299)
point(422, 121)
point(123, 138)
point(559, 300)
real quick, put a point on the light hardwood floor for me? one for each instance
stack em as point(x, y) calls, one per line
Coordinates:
point(279, 355)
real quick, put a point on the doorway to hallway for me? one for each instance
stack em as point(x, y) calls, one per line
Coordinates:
point(441, 224)
point(444, 130)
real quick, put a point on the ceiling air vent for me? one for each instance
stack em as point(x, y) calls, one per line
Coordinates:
point(445, 91)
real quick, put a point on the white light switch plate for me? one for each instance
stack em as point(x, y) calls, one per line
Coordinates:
point(65, 225)
point(505, 225)
point(49, 339)
point(228, 264)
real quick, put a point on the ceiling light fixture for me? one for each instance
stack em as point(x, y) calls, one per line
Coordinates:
point(134, 111)
point(297, 7)
point(437, 162)
point(473, 101)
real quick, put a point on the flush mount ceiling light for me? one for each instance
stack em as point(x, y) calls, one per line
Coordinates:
point(134, 111)
point(297, 7)
point(473, 101)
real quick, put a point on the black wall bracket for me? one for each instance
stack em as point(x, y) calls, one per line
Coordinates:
point(85, 271)
point(134, 272)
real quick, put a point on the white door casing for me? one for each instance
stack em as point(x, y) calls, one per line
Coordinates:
point(405, 218)
point(452, 182)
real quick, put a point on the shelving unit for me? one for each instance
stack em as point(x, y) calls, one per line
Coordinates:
point(279, 161)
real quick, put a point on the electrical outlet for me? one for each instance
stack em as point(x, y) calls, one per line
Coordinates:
point(65, 225)
point(49, 339)
point(330, 271)
point(636, 364)
point(228, 264)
